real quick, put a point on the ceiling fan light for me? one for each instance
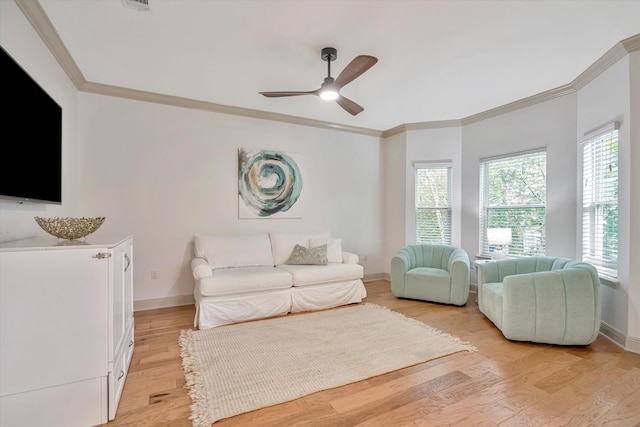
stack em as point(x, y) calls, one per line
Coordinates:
point(329, 94)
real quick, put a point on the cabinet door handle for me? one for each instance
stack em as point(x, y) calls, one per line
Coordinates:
point(126, 257)
point(102, 255)
point(130, 343)
point(121, 375)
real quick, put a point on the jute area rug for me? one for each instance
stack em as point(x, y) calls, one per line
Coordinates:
point(238, 368)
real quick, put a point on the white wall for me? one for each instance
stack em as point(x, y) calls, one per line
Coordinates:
point(395, 161)
point(25, 46)
point(550, 124)
point(605, 98)
point(633, 342)
point(165, 174)
point(557, 125)
point(434, 145)
point(401, 151)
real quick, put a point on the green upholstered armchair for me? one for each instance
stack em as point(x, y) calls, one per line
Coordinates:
point(541, 299)
point(436, 273)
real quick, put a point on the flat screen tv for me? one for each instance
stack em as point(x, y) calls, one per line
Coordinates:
point(31, 167)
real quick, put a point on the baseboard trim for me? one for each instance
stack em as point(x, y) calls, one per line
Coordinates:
point(626, 342)
point(373, 277)
point(174, 301)
point(613, 334)
point(633, 344)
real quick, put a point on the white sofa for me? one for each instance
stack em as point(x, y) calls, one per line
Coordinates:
point(246, 276)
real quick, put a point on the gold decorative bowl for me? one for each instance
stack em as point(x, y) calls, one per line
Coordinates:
point(70, 228)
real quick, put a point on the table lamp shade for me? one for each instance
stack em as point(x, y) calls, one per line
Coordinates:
point(499, 236)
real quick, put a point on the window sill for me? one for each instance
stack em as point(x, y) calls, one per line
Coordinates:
point(609, 281)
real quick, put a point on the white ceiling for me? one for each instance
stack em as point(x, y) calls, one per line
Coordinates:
point(437, 60)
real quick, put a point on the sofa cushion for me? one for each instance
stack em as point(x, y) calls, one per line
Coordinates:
point(492, 302)
point(312, 256)
point(282, 244)
point(229, 281)
point(429, 284)
point(241, 250)
point(304, 275)
point(327, 295)
point(334, 248)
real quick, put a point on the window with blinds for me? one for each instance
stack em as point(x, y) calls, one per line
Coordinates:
point(433, 204)
point(600, 200)
point(513, 195)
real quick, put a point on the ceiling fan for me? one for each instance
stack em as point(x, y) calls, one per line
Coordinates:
point(330, 88)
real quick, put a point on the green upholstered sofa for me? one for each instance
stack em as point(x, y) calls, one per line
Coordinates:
point(436, 273)
point(541, 299)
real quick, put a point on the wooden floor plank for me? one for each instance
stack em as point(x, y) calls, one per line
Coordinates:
point(504, 383)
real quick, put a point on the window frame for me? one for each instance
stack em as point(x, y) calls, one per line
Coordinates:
point(448, 209)
point(592, 249)
point(484, 249)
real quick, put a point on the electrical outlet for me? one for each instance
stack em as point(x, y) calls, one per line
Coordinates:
point(365, 257)
point(154, 275)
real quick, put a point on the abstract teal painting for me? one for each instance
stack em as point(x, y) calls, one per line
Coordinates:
point(269, 184)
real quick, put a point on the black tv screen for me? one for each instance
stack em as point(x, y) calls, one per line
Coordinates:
point(31, 168)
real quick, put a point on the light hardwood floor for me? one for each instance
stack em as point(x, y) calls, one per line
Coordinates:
point(502, 384)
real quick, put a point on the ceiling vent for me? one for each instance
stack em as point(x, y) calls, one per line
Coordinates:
point(140, 5)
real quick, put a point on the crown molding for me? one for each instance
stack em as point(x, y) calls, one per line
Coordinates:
point(38, 18)
point(176, 101)
point(420, 126)
point(632, 43)
point(45, 29)
point(521, 103)
point(612, 56)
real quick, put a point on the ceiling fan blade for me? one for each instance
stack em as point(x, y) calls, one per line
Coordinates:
point(357, 67)
point(350, 106)
point(279, 94)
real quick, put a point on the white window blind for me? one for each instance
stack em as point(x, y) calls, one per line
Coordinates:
point(513, 195)
point(600, 200)
point(433, 204)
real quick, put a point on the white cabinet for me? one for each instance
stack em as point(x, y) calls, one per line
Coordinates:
point(66, 330)
point(121, 320)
